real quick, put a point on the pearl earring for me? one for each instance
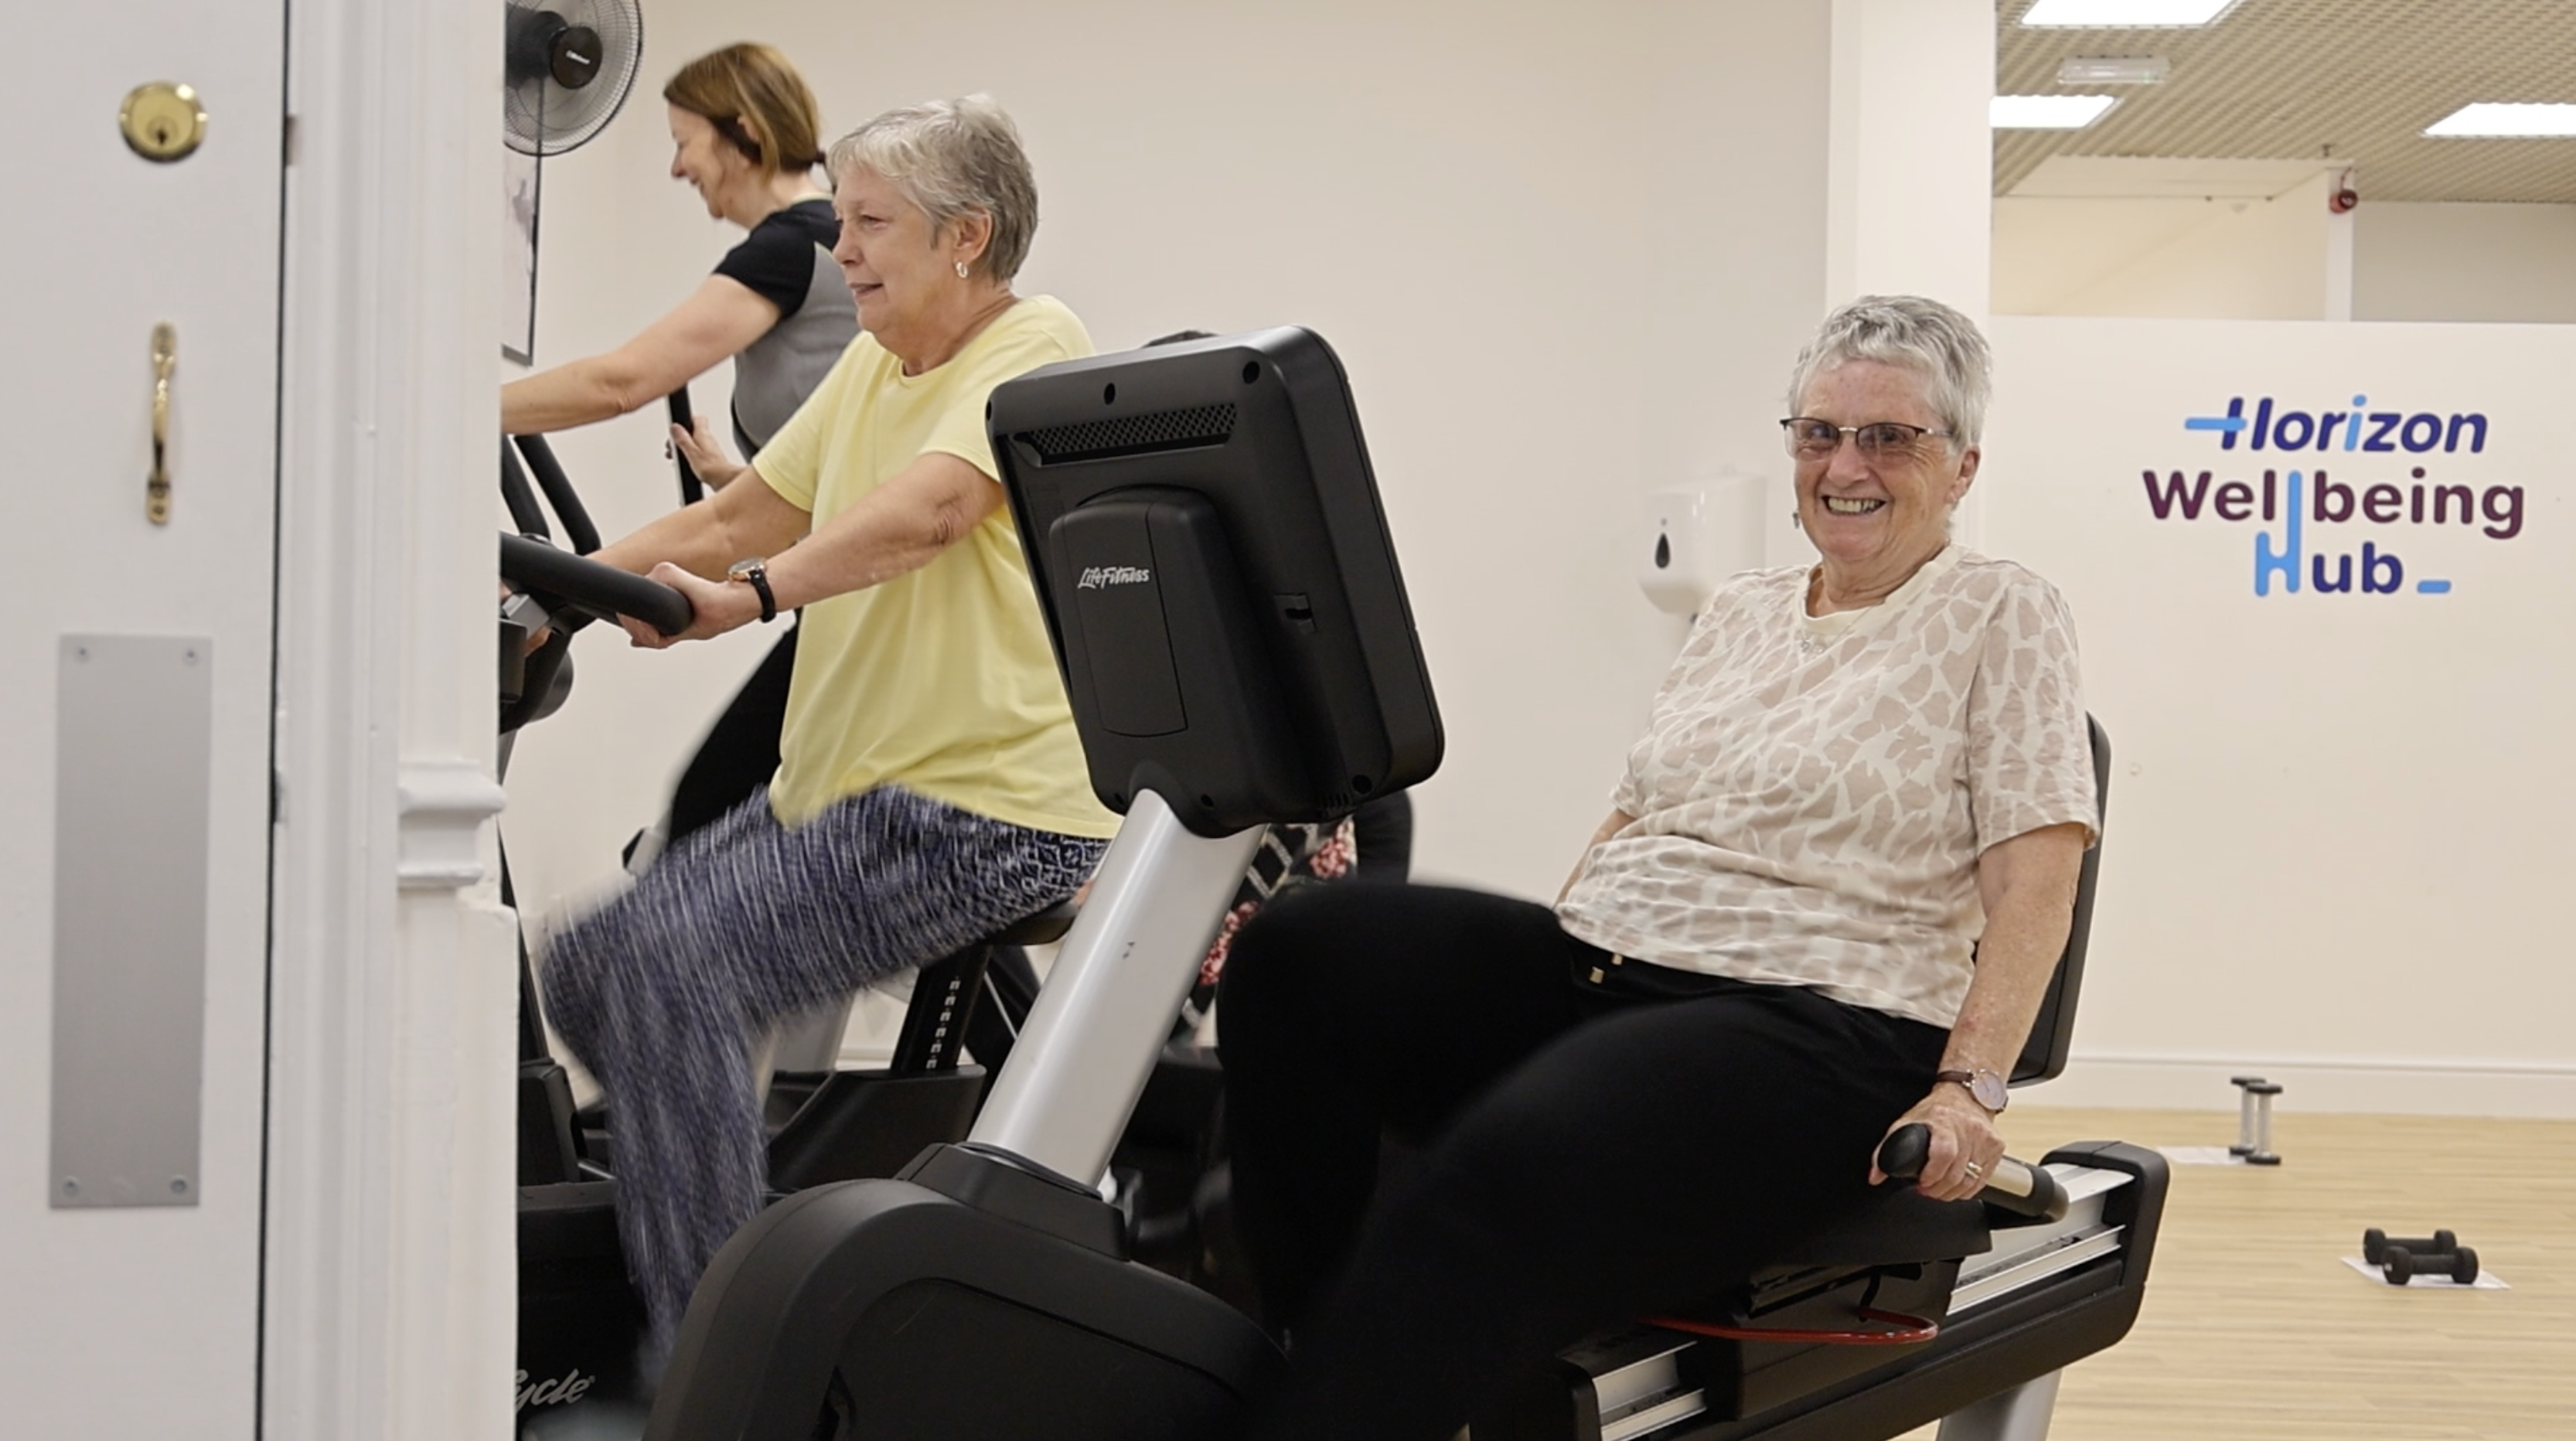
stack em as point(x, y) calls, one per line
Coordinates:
point(961, 270)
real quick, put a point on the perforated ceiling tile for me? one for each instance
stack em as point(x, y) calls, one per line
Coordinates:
point(2286, 79)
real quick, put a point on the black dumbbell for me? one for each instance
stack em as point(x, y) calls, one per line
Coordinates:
point(2402, 1265)
point(2375, 1244)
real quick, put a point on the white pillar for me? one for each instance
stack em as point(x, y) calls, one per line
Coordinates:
point(391, 1271)
point(1909, 197)
point(1909, 170)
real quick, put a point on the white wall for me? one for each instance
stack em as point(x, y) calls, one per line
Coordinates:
point(1566, 255)
point(2248, 259)
point(2283, 259)
point(2338, 828)
point(2513, 263)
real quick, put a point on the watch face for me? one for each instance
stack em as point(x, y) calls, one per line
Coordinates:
point(1989, 1090)
point(745, 569)
point(1984, 1087)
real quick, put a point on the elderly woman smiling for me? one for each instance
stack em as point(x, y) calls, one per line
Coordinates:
point(1855, 773)
point(930, 786)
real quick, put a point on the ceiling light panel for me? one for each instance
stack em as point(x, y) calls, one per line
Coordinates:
point(2124, 14)
point(2113, 70)
point(2048, 112)
point(2488, 118)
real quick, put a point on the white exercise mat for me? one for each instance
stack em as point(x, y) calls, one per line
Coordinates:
point(2486, 1279)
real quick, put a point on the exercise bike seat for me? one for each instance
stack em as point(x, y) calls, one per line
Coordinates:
point(1898, 1226)
point(1045, 928)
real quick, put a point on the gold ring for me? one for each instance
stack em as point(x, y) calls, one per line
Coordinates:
point(1975, 1171)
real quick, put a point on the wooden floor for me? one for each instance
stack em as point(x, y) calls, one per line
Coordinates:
point(2255, 1330)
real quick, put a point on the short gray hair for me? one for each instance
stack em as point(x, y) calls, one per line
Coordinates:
point(1924, 336)
point(953, 158)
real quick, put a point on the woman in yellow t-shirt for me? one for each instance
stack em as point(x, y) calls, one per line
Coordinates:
point(931, 788)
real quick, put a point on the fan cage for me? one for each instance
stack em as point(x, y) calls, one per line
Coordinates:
point(540, 117)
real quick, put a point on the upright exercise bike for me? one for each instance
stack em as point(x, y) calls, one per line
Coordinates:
point(579, 1319)
point(1215, 570)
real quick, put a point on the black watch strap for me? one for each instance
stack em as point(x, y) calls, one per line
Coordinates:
point(756, 574)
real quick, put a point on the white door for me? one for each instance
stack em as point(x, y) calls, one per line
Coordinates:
point(138, 658)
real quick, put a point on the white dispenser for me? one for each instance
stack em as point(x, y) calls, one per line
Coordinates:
point(1695, 536)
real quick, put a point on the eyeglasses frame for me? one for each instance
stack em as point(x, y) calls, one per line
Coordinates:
point(1918, 434)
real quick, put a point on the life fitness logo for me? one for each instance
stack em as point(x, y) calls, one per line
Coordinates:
point(2408, 471)
point(1101, 577)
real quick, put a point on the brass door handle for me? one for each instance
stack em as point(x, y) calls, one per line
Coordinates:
point(165, 359)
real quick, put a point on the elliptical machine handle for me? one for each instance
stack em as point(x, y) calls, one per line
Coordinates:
point(2015, 1186)
point(587, 585)
point(692, 490)
point(579, 533)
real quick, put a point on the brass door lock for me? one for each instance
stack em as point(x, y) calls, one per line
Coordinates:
point(162, 121)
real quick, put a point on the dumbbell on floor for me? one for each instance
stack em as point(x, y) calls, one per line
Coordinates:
point(2254, 1121)
point(2245, 1117)
point(2375, 1244)
point(2401, 1265)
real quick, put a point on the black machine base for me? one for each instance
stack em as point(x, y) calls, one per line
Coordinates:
point(580, 1322)
point(952, 1302)
point(1652, 1384)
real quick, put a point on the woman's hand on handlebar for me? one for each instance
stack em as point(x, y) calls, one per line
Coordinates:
point(1962, 1132)
point(720, 607)
point(705, 454)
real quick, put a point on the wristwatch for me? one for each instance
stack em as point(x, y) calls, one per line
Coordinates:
point(1984, 1086)
point(755, 573)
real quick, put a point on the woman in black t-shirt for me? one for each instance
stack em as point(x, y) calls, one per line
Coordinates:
point(746, 133)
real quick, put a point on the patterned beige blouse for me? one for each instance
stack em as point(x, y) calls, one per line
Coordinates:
point(1812, 793)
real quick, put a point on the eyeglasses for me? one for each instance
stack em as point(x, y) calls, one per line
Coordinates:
point(1879, 440)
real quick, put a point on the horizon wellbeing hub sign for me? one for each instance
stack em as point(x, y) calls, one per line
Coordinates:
point(2331, 494)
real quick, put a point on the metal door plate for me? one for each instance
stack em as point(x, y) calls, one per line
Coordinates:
point(133, 757)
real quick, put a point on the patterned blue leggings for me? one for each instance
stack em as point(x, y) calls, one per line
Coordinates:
point(744, 923)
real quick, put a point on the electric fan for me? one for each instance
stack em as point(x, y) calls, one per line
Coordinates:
point(570, 65)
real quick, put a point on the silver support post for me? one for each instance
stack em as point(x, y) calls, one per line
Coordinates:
point(2020, 1414)
point(1111, 996)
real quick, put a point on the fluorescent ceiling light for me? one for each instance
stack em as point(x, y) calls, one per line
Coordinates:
point(2048, 112)
point(2113, 70)
point(2124, 14)
point(2490, 118)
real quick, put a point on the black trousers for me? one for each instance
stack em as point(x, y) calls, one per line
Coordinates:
point(1587, 1150)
